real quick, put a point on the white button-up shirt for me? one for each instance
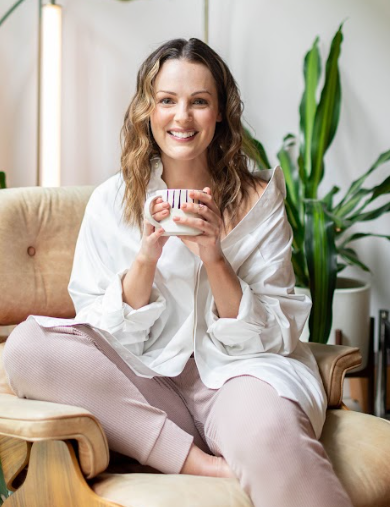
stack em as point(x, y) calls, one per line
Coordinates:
point(181, 317)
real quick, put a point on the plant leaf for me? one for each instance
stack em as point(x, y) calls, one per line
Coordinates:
point(381, 189)
point(359, 235)
point(351, 257)
point(308, 106)
point(370, 215)
point(300, 268)
point(328, 199)
point(327, 116)
point(255, 150)
point(2, 180)
point(340, 266)
point(357, 184)
point(321, 257)
point(350, 205)
point(290, 170)
point(10, 11)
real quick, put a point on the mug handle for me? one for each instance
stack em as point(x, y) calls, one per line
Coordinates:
point(147, 213)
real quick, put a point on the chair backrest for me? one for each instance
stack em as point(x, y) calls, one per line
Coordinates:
point(38, 233)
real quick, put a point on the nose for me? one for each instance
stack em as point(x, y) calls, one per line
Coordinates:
point(183, 113)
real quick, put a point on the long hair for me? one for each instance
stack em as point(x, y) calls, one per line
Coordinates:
point(227, 153)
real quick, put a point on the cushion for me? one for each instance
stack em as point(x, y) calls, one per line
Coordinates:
point(149, 490)
point(358, 446)
point(38, 232)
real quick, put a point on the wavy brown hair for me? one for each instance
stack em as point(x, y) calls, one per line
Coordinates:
point(227, 153)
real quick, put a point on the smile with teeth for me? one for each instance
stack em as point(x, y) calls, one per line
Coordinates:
point(182, 135)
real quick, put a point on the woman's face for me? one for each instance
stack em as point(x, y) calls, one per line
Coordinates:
point(184, 119)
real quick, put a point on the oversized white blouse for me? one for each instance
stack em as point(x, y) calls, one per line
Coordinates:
point(181, 317)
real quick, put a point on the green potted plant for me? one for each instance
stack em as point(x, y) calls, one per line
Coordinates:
point(321, 226)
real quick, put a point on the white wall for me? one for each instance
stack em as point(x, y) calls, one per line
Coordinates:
point(263, 42)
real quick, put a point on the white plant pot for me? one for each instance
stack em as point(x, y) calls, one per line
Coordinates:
point(351, 314)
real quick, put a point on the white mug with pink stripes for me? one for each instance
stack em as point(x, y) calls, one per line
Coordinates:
point(176, 197)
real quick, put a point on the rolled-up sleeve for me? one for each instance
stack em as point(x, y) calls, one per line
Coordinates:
point(271, 316)
point(96, 284)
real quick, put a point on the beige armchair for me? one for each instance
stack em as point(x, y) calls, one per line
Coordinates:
point(56, 455)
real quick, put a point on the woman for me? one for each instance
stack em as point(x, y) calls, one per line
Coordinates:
point(187, 348)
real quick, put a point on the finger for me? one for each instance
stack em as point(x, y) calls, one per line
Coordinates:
point(203, 197)
point(148, 227)
point(198, 223)
point(204, 211)
point(160, 206)
point(156, 235)
point(161, 215)
point(158, 232)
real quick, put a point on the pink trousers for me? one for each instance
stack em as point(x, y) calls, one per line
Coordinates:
point(267, 440)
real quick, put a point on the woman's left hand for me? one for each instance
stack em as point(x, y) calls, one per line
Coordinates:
point(209, 223)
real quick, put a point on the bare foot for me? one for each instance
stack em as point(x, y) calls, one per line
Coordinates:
point(200, 463)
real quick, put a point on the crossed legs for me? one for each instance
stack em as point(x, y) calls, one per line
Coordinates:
point(270, 445)
point(267, 441)
point(142, 418)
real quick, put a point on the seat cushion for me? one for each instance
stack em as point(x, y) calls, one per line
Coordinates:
point(358, 446)
point(157, 490)
point(4, 386)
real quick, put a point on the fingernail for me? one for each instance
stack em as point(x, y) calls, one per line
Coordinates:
point(201, 206)
point(184, 205)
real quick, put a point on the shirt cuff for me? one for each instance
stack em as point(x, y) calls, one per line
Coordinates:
point(246, 326)
point(121, 319)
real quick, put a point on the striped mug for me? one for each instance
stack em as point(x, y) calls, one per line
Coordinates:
point(176, 197)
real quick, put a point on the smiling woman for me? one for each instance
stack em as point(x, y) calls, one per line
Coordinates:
point(184, 119)
point(211, 98)
point(198, 366)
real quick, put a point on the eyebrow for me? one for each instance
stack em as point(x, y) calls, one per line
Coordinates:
point(192, 94)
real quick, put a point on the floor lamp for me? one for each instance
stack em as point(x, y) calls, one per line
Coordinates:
point(49, 91)
point(49, 95)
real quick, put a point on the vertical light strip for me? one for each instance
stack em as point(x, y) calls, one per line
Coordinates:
point(50, 99)
point(206, 14)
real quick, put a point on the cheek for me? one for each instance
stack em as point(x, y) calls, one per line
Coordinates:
point(209, 120)
point(157, 119)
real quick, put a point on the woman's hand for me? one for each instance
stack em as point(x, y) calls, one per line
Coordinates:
point(209, 223)
point(153, 241)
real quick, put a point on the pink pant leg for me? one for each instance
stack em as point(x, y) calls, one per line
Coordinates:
point(269, 443)
point(143, 418)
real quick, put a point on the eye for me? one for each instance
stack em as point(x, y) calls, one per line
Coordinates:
point(200, 102)
point(166, 101)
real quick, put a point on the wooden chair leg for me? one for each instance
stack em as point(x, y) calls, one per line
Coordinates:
point(53, 479)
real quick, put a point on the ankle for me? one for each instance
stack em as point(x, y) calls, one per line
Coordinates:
point(200, 463)
point(196, 462)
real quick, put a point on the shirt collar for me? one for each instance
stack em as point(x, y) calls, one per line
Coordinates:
point(156, 182)
point(271, 199)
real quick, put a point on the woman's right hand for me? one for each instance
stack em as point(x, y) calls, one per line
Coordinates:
point(153, 240)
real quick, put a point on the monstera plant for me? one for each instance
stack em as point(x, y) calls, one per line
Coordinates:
point(321, 225)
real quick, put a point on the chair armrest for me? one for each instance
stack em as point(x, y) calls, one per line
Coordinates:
point(333, 362)
point(34, 421)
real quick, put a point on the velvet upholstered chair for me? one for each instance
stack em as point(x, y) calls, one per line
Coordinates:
point(57, 455)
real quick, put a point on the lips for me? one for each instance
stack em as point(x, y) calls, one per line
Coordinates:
point(188, 134)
